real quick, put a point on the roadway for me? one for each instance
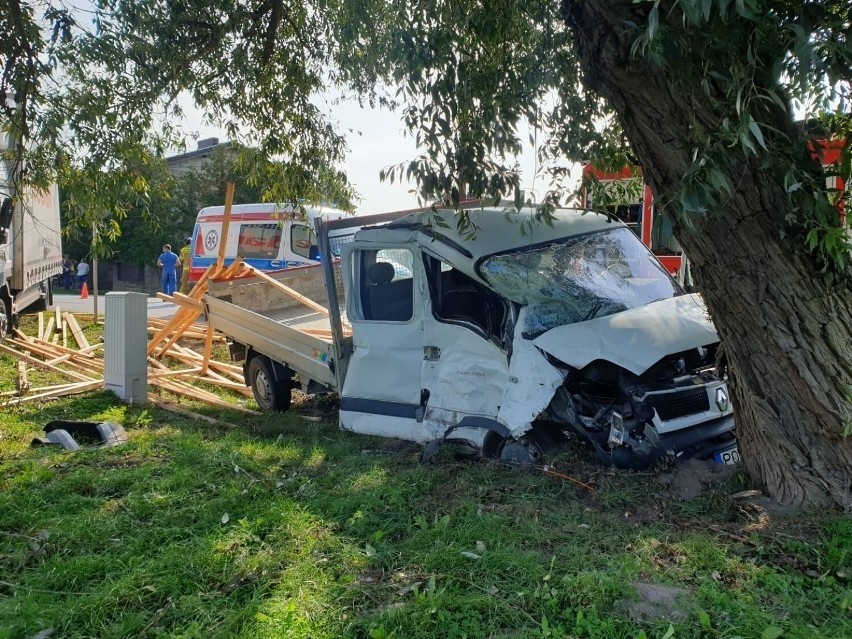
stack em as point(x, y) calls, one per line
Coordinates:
point(72, 303)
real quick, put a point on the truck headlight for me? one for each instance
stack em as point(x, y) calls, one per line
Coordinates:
point(722, 400)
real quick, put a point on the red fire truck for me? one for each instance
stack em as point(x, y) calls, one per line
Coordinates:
point(633, 203)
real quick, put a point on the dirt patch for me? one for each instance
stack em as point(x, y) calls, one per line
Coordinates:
point(694, 477)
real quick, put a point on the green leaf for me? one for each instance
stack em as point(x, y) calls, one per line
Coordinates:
point(669, 633)
point(653, 22)
point(772, 632)
point(758, 135)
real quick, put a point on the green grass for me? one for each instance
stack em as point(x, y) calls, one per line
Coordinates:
point(283, 527)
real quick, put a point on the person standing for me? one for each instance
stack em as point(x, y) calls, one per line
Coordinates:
point(169, 262)
point(184, 270)
point(67, 265)
point(82, 273)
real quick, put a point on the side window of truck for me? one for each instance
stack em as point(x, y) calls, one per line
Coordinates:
point(459, 299)
point(386, 285)
point(259, 241)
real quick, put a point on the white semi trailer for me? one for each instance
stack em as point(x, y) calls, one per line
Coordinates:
point(30, 242)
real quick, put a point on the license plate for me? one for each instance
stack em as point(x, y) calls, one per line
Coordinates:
point(728, 457)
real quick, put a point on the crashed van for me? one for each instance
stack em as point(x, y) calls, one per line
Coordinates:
point(530, 330)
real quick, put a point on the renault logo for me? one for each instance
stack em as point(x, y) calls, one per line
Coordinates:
point(722, 401)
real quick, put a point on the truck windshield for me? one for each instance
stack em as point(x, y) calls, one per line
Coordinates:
point(579, 278)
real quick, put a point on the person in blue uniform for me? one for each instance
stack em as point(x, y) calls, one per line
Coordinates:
point(169, 262)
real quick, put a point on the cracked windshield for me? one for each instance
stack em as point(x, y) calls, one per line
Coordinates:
point(579, 279)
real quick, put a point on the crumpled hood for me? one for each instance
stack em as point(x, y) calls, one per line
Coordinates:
point(635, 339)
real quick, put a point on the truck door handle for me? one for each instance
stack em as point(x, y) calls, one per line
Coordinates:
point(275, 263)
point(431, 353)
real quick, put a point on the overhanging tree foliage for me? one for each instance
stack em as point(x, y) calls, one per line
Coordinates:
point(700, 92)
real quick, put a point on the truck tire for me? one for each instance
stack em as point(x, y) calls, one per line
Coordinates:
point(270, 394)
point(8, 321)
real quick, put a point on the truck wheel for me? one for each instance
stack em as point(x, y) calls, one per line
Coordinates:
point(7, 320)
point(529, 449)
point(269, 393)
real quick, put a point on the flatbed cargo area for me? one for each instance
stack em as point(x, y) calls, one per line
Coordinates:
point(264, 318)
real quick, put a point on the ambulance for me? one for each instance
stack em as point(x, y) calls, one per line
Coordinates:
point(268, 237)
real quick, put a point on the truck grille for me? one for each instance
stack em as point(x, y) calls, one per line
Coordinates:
point(675, 405)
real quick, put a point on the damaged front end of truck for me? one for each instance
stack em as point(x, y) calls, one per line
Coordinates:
point(608, 346)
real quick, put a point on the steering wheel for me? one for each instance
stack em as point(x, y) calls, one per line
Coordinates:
point(618, 269)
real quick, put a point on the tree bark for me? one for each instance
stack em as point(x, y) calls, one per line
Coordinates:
point(787, 334)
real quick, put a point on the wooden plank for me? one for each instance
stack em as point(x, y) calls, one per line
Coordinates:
point(58, 318)
point(22, 383)
point(41, 364)
point(40, 389)
point(70, 389)
point(226, 223)
point(48, 330)
point(76, 331)
point(163, 404)
point(158, 374)
point(157, 364)
point(208, 348)
point(234, 386)
point(186, 300)
point(41, 325)
point(65, 333)
point(182, 300)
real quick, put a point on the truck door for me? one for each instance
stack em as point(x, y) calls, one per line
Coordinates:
point(381, 393)
point(465, 364)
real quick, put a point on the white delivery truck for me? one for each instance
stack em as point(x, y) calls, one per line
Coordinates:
point(506, 342)
point(268, 237)
point(30, 244)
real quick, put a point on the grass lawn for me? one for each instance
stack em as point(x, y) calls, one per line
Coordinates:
point(284, 526)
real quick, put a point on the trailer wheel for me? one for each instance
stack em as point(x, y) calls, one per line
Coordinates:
point(8, 321)
point(269, 393)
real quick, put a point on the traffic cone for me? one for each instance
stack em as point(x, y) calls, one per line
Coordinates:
point(84, 292)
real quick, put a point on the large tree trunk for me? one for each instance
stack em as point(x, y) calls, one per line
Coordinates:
point(787, 334)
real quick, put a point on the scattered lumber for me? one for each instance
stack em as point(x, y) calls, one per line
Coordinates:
point(172, 368)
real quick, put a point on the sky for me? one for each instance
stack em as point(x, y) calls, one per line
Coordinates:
point(378, 141)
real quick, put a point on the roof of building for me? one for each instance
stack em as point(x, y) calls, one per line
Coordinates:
point(205, 147)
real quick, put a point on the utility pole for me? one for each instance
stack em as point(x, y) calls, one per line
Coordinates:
point(95, 272)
